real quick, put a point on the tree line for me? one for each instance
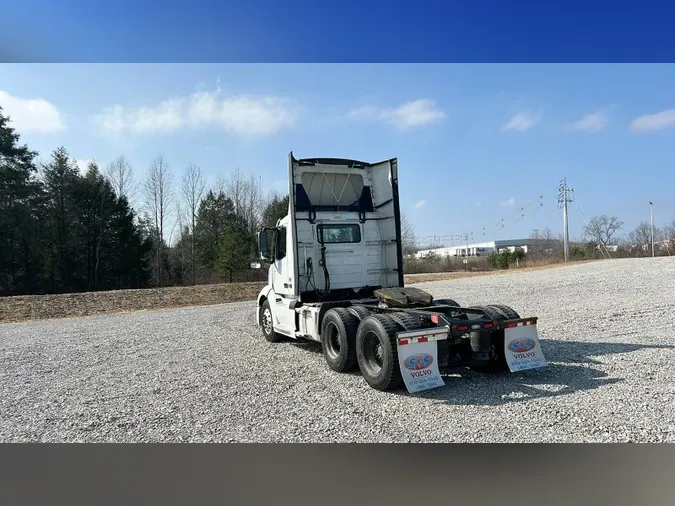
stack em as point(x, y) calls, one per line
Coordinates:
point(67, 230)
point(64, 230)
point(602, 237)
point(606, 234)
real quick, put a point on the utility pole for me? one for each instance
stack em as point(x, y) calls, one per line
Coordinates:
point(565, 197)
point(466, 260)
point(651, 221)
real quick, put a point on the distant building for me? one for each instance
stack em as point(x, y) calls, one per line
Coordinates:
point(478, 249)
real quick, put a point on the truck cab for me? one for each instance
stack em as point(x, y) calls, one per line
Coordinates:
point(340, 240)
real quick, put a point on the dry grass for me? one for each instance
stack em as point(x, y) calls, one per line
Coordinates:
point(35, 307)
point(531, 266)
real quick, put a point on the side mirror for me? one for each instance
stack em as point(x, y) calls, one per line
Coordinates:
point(264, 247)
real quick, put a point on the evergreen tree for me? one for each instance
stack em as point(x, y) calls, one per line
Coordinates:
point(216, 213)
point(61, 178)
point(276, 209)
point(20, 205)
point(235, 248)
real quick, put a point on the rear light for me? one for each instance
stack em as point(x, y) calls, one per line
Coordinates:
point(489, 325)
point(522, 323)
point(462, 328)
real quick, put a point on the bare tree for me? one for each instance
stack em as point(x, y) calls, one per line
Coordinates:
point(640, 239)
point(254, 204)
point(545, 243)
point(407, 236)
point(120, 175)
point(234, 187)
point(158, 199)
point(668, 235)
point(247, 197)
point(183, 229)
point(603, 230)
point(192, 191)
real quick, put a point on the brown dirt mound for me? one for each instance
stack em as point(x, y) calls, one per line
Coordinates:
point(36, 307)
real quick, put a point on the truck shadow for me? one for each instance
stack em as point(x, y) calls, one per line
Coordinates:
point(569, 371)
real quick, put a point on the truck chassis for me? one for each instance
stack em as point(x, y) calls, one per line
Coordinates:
point(367, 334)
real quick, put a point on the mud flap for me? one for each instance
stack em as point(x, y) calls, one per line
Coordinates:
point(522, 347)
point(418, 358)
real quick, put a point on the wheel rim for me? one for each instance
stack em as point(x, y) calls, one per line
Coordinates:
point(332, 340)
point(373, 354)
point(267, 321)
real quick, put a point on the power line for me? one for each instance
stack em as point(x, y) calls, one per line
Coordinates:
point(530, 207)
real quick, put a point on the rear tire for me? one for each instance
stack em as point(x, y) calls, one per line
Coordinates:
point(446, 302)
point(338, 339)
point(497, 361)
point(267, 324)
point(360, 312)
point(405, 320)
point(377, 353)
point(507, 311)
point(491, 312)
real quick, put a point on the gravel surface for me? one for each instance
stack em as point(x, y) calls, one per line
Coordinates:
point(207, 374)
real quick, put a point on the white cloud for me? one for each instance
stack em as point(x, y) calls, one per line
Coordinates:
point(241, 115)
point(652, 122)
point(522, 121)
point(421, 204)
point(508, 203)
point(591, 123)
point(411, 114)
point(32, 115)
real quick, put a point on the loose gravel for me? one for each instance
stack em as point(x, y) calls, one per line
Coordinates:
point(206, 373)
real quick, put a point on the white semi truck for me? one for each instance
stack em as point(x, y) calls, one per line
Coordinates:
point(336, 277)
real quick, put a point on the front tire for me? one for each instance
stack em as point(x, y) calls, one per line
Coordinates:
point(267, 324)
point(377, 353)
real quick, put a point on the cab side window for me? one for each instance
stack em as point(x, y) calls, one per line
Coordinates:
point(280, 243)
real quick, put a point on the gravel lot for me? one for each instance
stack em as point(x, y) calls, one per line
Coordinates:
point(206, 373)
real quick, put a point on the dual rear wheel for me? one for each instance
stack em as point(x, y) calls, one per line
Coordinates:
point(352, 338)
point(497, 362)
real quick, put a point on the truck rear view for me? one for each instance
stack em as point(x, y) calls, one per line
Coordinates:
point(336, 277)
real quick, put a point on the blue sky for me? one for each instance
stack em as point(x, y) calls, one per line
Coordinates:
point(475, 141)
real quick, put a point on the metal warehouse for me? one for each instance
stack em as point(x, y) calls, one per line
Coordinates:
point(477, 249)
